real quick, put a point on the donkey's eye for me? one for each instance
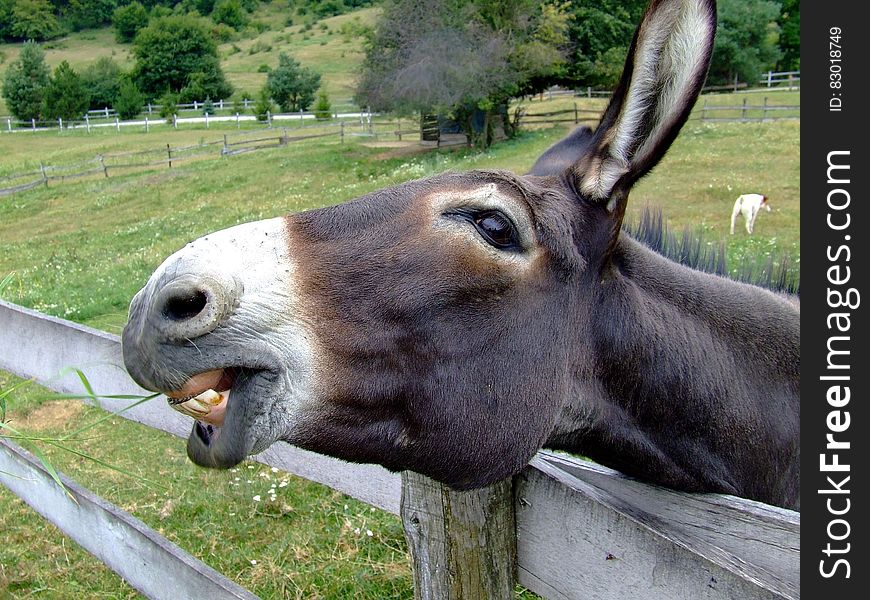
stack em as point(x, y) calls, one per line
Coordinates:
point(496, 229)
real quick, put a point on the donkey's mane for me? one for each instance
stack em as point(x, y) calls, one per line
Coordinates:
point(689, 248)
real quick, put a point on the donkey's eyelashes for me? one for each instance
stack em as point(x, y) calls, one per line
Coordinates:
point(496, 228)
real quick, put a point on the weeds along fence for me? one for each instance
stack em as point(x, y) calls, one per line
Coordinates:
point(563, 528)
point(229, 144)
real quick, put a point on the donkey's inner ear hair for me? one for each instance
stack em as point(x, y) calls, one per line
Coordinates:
point(664, 71)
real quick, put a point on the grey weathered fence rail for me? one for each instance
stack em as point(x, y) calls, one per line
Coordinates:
point(578, 530)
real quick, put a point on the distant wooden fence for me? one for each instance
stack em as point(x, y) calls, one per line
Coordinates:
point(746, 112)
point(563, 528)
point(230, 144)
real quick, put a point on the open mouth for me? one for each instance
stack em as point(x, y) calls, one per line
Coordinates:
point(205, 397)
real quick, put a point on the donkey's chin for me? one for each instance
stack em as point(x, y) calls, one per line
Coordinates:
point(229, 423)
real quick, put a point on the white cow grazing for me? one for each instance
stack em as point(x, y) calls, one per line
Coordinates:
point(749, 205)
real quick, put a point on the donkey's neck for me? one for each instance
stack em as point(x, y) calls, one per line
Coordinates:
point(688, 380)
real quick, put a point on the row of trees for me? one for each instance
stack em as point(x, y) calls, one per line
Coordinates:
point(469, 57)
point(176, 61)
point(41, 20)
point(31, 91)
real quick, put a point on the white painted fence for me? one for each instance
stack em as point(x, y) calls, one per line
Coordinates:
point(582, 531)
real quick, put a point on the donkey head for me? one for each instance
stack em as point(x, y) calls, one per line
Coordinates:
point(435, 326)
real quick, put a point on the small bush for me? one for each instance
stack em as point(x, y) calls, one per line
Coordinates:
point(259, 46)
point(322, 108)
point(263, 106)
point(168, 106)
point(264, 68)
point(222, 33)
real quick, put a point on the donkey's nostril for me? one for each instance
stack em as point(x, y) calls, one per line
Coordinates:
point(185, 305)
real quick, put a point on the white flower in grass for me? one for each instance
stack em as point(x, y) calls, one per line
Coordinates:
point(257, 498)
point(253, 562)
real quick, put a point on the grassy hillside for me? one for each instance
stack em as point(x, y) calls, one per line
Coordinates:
point(329, 46)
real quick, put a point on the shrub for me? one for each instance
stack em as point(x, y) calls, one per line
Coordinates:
point(102, 79)
point(229, 12)
point(168, 106)
point(129, 101)
point(66, 96)
point(263, 106)
point(322, 108)
point(264, 68)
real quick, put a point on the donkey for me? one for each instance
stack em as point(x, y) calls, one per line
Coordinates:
point(748, 205)
point(455, 325)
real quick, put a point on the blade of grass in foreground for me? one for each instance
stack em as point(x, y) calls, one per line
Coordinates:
point(30, 441)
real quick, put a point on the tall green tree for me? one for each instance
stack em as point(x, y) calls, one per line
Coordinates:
point(745, 44)
point(790, 36)
point(171, 50)
point(128, 20)
point(34, 20)
point(66, 96)
point(600, 32)
point(291, 85)
point(26, 82)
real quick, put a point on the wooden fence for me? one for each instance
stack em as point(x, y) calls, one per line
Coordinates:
point(563, 528)
point(229, 144)
point(746, 112)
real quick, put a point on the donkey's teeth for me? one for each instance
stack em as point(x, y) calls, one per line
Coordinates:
point(208, 406)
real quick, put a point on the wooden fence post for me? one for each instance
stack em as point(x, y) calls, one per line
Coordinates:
point(146, 123)
point(103, 164)
point(743, 111)
point(9, 123)
point(60, 124)
point(462, 544)
point(33, 123)
point(44, 176)
point(764, 110)
point(341, 133)
point(174, 124)
point(237, 121)
point(704, 111)
point(88, 123)
point(117, 124)
point(169, 155)
point(576, 114)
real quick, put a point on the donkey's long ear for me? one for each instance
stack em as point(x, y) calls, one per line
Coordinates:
point(665, 69)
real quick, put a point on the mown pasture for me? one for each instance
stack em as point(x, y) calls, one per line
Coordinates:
point(81, 249)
